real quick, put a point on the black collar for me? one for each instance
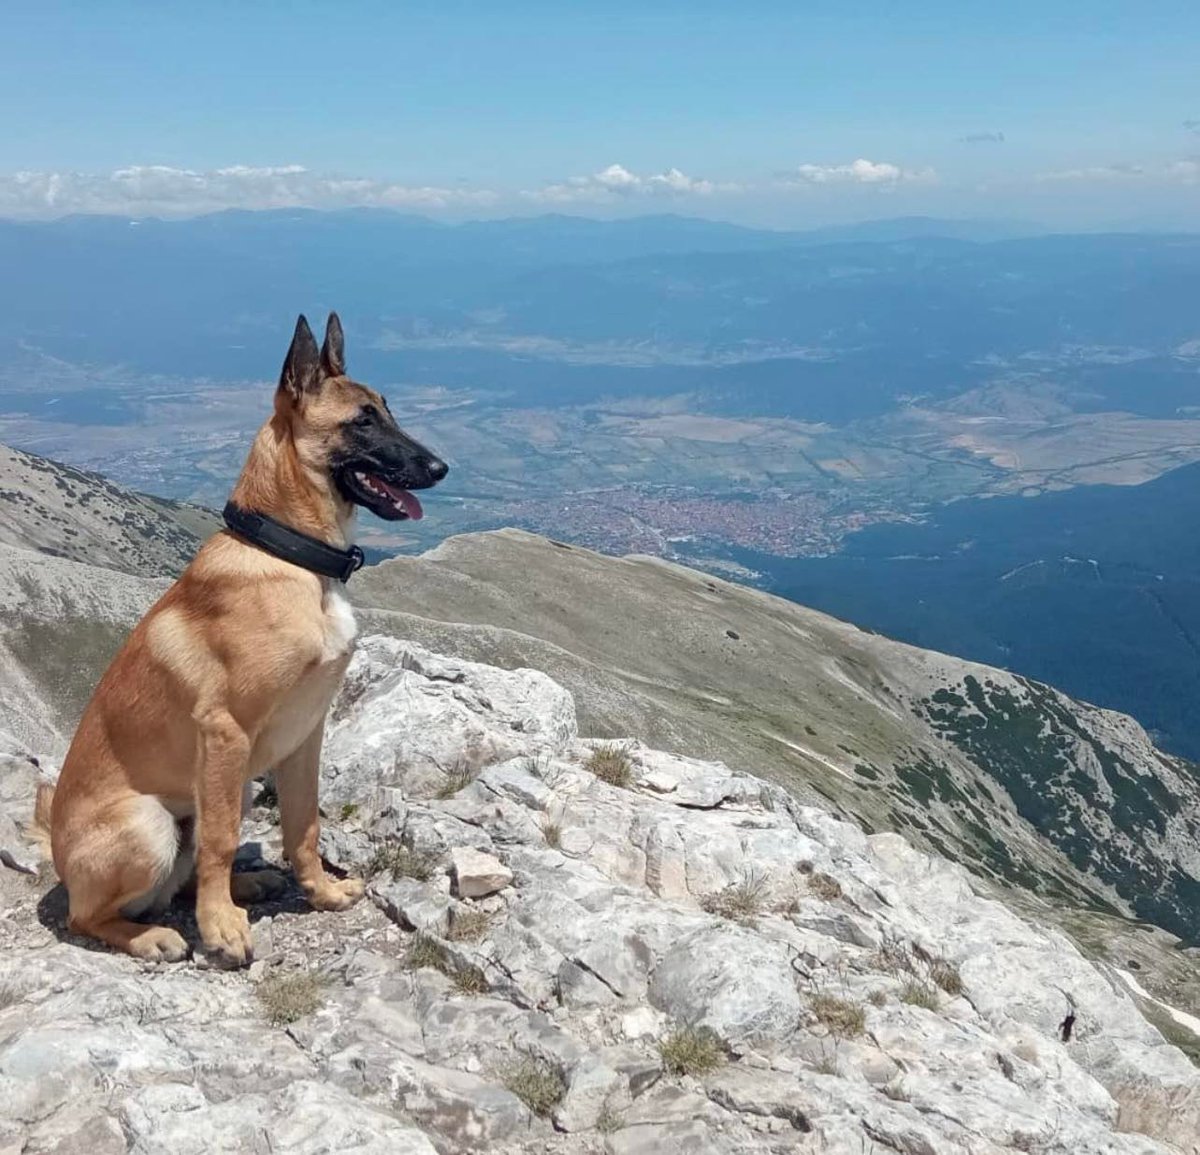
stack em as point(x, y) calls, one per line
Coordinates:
point(310, 553)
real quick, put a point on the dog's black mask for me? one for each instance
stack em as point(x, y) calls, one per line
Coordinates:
point(378, 465)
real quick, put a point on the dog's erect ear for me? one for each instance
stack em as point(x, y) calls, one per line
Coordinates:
point(302, 366)
point(333, 352)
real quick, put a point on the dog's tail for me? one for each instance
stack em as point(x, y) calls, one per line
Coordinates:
point(38, 829)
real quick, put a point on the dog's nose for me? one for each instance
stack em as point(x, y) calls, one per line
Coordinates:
point(436, 468)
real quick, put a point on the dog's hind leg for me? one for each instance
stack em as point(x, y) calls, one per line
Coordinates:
point(120, 867)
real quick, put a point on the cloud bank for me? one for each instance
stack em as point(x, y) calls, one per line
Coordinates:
point(617, 183)
point(158, 190)
point(861, 171)
point(1185, 171)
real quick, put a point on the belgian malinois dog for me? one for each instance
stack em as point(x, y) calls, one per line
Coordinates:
point(230, 674)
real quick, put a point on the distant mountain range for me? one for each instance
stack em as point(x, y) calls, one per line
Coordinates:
point(832, 325)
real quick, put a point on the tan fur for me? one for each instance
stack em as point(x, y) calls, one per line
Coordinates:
point(228, 675)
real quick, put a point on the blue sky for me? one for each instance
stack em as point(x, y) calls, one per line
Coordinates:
point(786, 114)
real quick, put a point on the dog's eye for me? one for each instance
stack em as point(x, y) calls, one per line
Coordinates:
point(367, 415)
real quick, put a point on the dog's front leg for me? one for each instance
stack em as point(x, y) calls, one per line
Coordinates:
point(225, 752)
point(296, 780)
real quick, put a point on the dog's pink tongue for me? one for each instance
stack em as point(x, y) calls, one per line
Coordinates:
point(405, 500)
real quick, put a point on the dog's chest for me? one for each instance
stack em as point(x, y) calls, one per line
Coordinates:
point(340, 626)
point(304, 706)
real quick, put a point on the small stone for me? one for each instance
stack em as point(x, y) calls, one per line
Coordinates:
point(660, 782)
point(477, 874)
point(645, 1022)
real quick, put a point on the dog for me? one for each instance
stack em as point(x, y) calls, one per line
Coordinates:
point(230, 675)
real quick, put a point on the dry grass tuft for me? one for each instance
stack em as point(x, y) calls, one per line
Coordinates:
point(538, 1085)
point(468, 924)
point(877, 999)
point(945, 974)
point(612, 764)
point(458, 777)
point(402, 862)
point(840, 1016)
point(824, 886)
point(692, 1051)
point(469, 980)
point(923, 973)
point(288, 997)
point(552, 832)
point(740, 901)
point(426, 951)
point(919, 994)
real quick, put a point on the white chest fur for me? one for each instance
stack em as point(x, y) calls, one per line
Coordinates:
point(340, 626)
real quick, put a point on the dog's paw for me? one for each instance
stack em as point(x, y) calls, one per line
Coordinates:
point(225, 932)
point(336, 894)
point(159, 944)
point(253, 886)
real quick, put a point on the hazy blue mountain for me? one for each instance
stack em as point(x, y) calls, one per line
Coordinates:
point(560, 309)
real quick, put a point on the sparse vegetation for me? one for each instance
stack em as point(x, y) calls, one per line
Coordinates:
point(945, 974)
point(824, 886)
point(426, 951)
point(402, 861)
point(9, 996)
point(877, 999)
point(923, 973)
point(287, 997)
point(740, 901)
point(349, 811)
point(469, 980)
point(468, 924)
point(827, 1066)
point(919, 994)
point(458, 777)
point(839, 1016)
point(612, 764)
point(608, 1121)
point(538, 1085)
point(552, 832)
point(692, 1051)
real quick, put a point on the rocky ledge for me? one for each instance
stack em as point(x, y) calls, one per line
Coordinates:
point(573, 946)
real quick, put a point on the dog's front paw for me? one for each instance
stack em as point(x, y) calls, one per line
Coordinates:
point(336, 894)
point(159, 944)
point(225, 931)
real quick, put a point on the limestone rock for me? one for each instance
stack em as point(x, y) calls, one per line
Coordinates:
point(476, 875)
point(679, 957)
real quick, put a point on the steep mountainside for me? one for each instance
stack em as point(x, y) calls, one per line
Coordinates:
point(1066, 809)
point(72, 513)
point(1021, 782)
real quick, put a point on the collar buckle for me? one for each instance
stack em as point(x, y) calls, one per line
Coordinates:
point(355, 560)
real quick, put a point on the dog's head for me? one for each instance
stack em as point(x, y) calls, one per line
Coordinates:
point(346, 429)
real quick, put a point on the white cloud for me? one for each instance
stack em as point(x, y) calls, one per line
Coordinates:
point(159, 190)
point(859, 171)
point(616, 182)
point(1185, 171)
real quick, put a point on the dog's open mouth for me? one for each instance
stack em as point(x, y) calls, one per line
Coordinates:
point(382, 497)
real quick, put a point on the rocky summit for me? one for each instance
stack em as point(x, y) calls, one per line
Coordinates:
point(574, 945)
